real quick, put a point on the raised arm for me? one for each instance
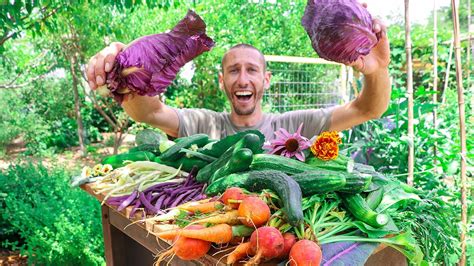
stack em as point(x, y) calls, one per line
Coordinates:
point(374, 98)
point(143, 109)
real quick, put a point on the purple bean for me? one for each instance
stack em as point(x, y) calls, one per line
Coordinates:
point(180, 197)
point(159, 201)
point(160, 185)
point(127, 201)
point(190, 196)
point(118, 198)
point(166, 201)
point(134, 209)
point(155, 197)
point(145, 202)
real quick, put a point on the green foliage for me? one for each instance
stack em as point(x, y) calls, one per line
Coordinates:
point(47, 220)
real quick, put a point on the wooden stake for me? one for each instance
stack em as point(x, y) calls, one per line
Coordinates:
point(411, 148)
point(462, 130)
point(435, 80)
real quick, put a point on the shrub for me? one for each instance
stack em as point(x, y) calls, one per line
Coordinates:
point(45, 219)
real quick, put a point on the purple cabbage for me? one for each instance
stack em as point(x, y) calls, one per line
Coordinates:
point(148, 65)
point(346, 253)
point(340, 30)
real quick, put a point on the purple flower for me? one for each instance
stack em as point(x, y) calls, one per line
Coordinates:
point(388, 123)
point(289, 145)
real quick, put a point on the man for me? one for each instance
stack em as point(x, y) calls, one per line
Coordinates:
point(244, 79)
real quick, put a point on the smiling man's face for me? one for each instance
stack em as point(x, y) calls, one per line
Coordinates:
point(244, 79)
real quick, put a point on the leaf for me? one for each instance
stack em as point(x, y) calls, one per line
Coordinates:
point(346, 253)
point(372, 232)
point(148, 136)
point(394, 196)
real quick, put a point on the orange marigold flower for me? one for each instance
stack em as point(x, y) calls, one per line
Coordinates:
point(326, 145)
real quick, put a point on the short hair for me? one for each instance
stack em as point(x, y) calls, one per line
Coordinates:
point(248, 46)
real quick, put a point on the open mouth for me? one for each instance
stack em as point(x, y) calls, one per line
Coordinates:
point(243, 96)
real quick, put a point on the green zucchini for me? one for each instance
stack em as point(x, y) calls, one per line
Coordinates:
point(279, 163)
point(284, 186)
point(250, 141)
point(318, 182)
point(118, 160)
point(174, 152)
point(155, 149)
point(359, 208)
point(240, 161)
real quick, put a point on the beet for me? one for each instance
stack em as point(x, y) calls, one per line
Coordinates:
point(305, 252)
point(267, 243)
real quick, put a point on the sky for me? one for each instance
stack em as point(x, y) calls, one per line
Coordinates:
point(420, 10)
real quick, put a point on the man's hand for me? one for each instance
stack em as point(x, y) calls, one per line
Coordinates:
point(379, 56)
point(101, 63)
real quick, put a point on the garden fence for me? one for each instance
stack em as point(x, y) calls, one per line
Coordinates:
point(305, 83)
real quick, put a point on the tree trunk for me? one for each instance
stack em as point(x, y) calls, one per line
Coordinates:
point(411, 148)
point(435, 82)
point(462, 130)
point(77, 107)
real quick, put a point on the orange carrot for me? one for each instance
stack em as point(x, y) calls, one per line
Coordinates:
point(206, 207)
point(230, 217)
point(221, 233)
point(241, 251)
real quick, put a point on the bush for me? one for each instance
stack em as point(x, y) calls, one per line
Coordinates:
point(45, 219)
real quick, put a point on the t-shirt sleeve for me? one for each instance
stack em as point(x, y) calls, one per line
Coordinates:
point(314, 121)
point(195, 121)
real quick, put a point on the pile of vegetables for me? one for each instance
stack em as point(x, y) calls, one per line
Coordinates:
point(259, 206)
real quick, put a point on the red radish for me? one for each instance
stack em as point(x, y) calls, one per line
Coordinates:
point(187, 248)
point(267, 243)
point(233, 194)
point(254, 211)
point(305, 252)
point(289, 240)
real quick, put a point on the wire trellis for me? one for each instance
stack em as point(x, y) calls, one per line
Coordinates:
point(304, 83)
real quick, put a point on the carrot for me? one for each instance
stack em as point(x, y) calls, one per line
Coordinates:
point(206, 207)
point(241, 251)
point(221, 233)
point(187, 248)
point(230, 217)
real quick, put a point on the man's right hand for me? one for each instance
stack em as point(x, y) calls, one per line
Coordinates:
point(101, 63)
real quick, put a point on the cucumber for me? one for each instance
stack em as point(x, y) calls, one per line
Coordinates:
point(184, 162)
point(250, 141)
point(374, 198)
point(174, 152)
point(356, 183)
point(284, 186)
point(232, 180)
point(118, 160)
point(338, 164)
point(279, 163)
point(318, 182)
point(216, 149)
point(240, 161)
point(357, 206)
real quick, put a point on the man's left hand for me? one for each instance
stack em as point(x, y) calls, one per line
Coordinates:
point(379, 56)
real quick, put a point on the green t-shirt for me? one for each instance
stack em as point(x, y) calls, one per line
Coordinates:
point(218, 125)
